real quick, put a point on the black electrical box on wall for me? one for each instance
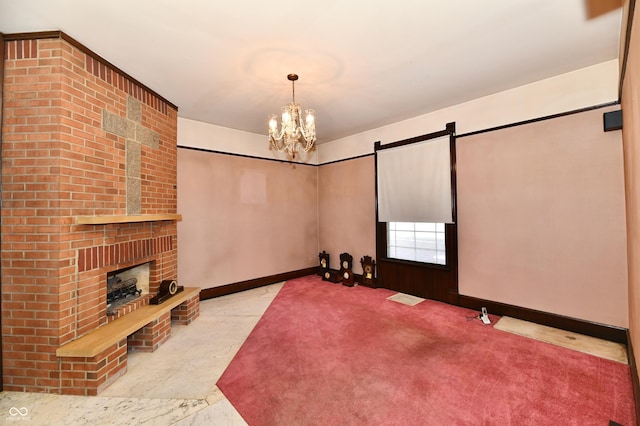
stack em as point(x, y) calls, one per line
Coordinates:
point(612, 120)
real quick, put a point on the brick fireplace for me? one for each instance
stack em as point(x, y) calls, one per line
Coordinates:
point(88, 187)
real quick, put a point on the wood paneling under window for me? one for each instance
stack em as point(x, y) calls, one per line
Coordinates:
point(420, 279)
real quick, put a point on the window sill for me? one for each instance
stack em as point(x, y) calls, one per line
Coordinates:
point(416, 263)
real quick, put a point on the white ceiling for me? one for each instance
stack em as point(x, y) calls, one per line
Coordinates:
point(361, 64)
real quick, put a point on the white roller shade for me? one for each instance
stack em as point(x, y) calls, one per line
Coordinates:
point(414, 182)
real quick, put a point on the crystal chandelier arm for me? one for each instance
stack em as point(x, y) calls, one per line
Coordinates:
point(305, 135)
point(277, 143)
point(308, 132)
point(276, 139)
point(277, 135)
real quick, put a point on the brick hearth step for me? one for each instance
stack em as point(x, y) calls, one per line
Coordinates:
point(102, 338)
point(92, 362)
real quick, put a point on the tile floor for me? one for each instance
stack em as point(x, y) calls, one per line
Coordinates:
point(173, 386)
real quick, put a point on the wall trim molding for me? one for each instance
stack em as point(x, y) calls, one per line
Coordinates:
point(462, 135)
point(347, 159)
point(253, 157)
point(223, 290)
point(593, 329)
point(601, 331)
point(278, 160)
point(535, 120)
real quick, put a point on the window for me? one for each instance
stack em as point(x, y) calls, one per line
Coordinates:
point(417, 241)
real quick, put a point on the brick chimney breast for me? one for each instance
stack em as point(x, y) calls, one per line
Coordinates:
point(80, 139)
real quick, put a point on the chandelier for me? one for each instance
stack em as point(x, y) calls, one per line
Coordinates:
point(294, 134)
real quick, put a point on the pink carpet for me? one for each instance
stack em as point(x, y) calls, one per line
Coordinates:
point(326, 354)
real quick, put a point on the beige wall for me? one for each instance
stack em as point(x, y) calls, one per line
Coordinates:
point(347, 211)
point(541, 221)
point(344, 200)
point(631, 141)
point(243, 218)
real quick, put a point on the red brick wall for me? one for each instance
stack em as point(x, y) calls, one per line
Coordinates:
point(185, 313)
point(151, 336)
point(89, 376)
point(58, 163)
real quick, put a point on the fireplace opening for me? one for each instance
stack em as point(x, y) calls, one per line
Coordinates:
point(126, 285)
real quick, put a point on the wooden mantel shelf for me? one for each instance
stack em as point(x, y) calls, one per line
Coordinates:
point(101, 220)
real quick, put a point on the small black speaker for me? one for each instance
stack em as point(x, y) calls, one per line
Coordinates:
point(612, 120)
